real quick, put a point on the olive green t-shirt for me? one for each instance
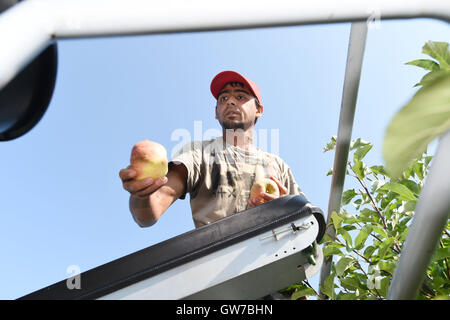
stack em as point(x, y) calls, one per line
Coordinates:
point(221, 175)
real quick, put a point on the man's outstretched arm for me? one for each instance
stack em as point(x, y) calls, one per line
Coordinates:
point(150, 198)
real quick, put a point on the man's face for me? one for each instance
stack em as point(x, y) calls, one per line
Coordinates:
point(236, 107)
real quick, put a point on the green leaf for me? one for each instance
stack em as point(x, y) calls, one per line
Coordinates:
point(369, 251)
point(349, 218)
point(402, 236)
point(328, 286)
point(425, 63)
point(330, 145)
point(410, 206)
point(441, 253)
point(366, 213)
point(430, 77)
point(357, 203)
point(347, 196)
point(384, 247)
point(425, 117)
point(337, 221)
point(349, 227)
point(411, 185)
point(369, 216)
point(358, 143)
point(427, 160)
point(362, 151)
point(376, 184)
point(439, 51)
point(399, 188)
point(350, 283)
point(385, 201)
point(379, 170)
point(384, 286)
point(295, 286)
point(380, 231)
point(326, 238)
point(331, 249)
point(418, 170)
point(388, 266)
point(343, 265)
point(303, 293)
point(442, 297)
point(358, 168)
point(347, 238)
point(347, 296)
point(361, 238)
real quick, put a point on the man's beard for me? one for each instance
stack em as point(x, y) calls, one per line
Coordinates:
point(232, 124)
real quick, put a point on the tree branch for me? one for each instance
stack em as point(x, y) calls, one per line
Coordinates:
point(374, 205)
point(370, 197)
point(445, 260)
point(309, 286)
point(355, 251)
point(367, 276)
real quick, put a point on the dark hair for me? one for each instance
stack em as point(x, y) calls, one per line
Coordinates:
point(257, 105)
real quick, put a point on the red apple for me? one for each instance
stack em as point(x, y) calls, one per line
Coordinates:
point(264, 185)
point(149, 159)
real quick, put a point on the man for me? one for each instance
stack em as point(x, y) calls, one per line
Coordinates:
point(218, 173)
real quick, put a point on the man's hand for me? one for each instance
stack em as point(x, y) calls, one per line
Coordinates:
point(252, 202)
point(142, 188)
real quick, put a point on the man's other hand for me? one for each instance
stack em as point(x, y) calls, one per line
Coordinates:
point(253, 202)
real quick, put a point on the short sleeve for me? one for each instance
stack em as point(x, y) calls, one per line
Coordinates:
point(190, 155)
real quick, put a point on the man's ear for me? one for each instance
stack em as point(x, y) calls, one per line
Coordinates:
point(259, 110)
point(216, 113)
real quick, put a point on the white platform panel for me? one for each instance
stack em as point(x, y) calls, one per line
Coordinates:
point(235, 261)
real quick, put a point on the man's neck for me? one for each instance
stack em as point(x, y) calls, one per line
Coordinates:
point(239, 138)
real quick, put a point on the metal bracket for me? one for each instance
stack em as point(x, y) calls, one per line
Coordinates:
point(292, 228)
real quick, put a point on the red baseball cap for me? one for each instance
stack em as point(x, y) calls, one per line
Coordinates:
point(224, 77)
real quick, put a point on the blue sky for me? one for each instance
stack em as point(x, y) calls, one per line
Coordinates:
point(61, 199)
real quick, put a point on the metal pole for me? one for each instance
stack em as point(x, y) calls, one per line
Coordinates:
point(432, 213)
point(358, 34)
point(37, 22)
